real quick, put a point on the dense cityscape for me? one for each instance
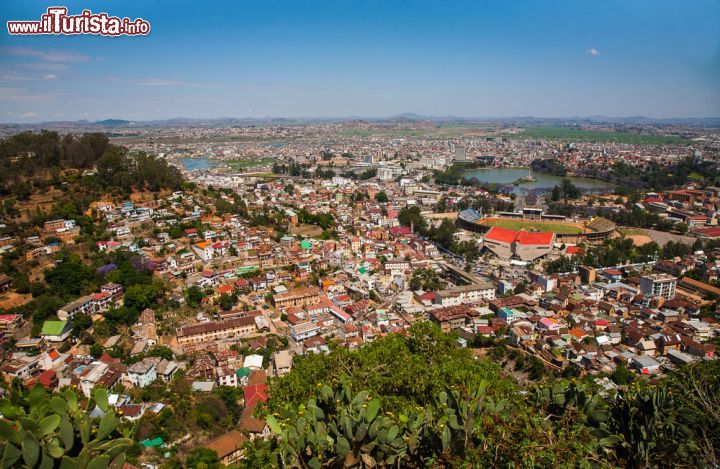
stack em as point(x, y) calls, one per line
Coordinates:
point(238, 253)
point(360, 234)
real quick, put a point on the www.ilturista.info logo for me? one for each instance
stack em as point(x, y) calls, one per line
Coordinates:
point(57, 21)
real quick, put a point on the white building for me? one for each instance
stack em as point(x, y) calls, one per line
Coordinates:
point(203, 250)
point(304, 331)
point(142, 373)
point(474, 293)
point(460, 154)
point(254, 362)
point(659, 285)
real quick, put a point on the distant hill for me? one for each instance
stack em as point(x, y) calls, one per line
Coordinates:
point(408, 117)
point(113, 123)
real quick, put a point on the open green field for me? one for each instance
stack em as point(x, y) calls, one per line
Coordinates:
point(388, 132)
point(266, 175)
point(517, 225)
point(239, 165)
point(570, 133)
point(441, 130)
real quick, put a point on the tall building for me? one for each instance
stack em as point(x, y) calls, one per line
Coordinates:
point(460, 153)
point(659, 285)
point(587, 274)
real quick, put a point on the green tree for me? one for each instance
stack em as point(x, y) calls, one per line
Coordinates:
point(80, 324)
point(141, 297)
point(70, 277)
point(426, 279)
point(202, 458)
point(96, 350)
point(556, 193)
point(622, 375)
point(194, 295)
point(161, 351)
point(226, 302)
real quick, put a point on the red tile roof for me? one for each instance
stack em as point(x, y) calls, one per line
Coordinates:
point(430, 296)
point(523, 237)
point(48, 378)
point(400, 230)
point(501, 234)
point(713, 232)
point(534, 238)
point(255, 393)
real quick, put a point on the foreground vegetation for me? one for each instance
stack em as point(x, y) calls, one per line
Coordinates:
point(413, 400)
point(41, 431)
point(418, 400)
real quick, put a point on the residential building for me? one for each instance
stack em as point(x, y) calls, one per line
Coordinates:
point(142, 373)
point(658, 285)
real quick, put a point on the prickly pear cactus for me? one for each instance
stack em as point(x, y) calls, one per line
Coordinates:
point(45, 431)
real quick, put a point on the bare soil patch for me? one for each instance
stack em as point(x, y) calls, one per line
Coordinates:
point(306, 230)
point(12, 299)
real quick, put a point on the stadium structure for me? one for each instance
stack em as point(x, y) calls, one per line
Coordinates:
point(536, 234)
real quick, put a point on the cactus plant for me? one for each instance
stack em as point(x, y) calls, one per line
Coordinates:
point(346, 429)
point(54, 431)
point(652, 428)
point(342, 428)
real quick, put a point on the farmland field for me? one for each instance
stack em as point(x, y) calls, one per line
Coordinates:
point(574, 134)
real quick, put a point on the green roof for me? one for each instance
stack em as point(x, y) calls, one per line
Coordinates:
point(53, 327)
point(157, 441)
point(243, 372)
point(306, 244)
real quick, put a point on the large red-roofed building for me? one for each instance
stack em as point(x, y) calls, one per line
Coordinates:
point(712, 232)
point(522, 244)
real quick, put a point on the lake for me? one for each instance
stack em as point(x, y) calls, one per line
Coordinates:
point(192, 164)
point(506, 176)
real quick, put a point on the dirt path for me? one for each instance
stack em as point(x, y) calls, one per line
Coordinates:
point(660, 237)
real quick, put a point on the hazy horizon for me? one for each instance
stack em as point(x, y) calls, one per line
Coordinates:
point(377, 118)
point(326, 59)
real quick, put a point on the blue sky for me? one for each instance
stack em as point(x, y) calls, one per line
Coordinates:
point(300, 58)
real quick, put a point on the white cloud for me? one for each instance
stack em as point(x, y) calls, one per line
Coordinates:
point(169, 82)
point(159, 82)
point(592, 51)
point(21, 95)
point(47, 55)
point(11, 77)
point(26, 115)
point(44, 66)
